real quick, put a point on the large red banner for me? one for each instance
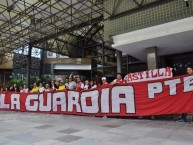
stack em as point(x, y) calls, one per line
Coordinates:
point(166, 96)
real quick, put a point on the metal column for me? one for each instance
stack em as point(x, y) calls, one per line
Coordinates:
point(29, 64)
point(119, 64)
point(103, 58)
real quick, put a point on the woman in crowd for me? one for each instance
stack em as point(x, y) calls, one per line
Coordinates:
point(93, 85)
point(47, 89)
point(20, 88)
point(86, 85)
point(53, 88)
point(61, 86)
point(1, 90)
point(66, 83)
point(14, 88)
point(97, 81)
point(57, 84)
point(35, 88)
point(24, 89)
point(41, 88)
point(6, 89)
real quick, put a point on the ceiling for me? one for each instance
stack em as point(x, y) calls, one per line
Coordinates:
point(172, 44)
point(24, 22)
point(170, 38)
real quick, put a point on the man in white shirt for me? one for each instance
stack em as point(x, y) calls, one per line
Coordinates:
point(71, 83)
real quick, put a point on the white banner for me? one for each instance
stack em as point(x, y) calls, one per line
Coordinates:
point(149, 75)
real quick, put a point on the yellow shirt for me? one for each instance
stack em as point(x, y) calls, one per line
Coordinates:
point(61, 88)
point(35, 90)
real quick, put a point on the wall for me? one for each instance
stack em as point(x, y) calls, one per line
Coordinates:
point(8, 65)
point(167, 11)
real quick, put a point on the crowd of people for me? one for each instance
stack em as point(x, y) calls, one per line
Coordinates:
point(71, 83)
point(76, 83)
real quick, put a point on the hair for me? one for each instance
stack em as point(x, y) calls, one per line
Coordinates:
point(35, 83)
point(119, 74)
point(189, 66)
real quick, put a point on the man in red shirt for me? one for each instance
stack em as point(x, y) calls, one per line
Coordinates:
point(119, 80)
point(104, 82)
point(79, 84)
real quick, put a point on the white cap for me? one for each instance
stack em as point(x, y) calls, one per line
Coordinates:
point(58, 79)
point(103, 78)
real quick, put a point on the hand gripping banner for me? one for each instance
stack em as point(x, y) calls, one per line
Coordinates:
point(158, 97)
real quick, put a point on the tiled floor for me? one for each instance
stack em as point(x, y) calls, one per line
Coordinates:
point(18, 128)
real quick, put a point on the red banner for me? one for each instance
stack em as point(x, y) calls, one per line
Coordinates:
point(167, 96)
point(155, 74)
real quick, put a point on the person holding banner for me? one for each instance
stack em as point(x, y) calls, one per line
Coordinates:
point(118, 80)
point(71, 83)
point(184, 115)
point(66, 83)
point(35, 88)
point(14, 88)
point(53, 85)
point(41, 88)
point(47, 88)
point(24, 89)
point(61, 86)
point(104, 82)
point(57, 84)
point(79, 84)
point(87, 85)
point(93, 85)
point(1, 90)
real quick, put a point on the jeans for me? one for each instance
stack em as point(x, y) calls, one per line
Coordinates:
point(184, 117)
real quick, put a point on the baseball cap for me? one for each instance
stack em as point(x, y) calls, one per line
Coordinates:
point(103, 78)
